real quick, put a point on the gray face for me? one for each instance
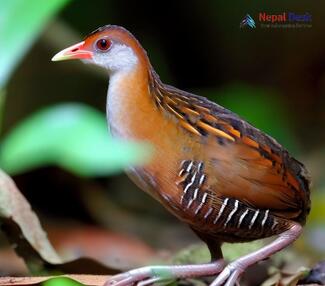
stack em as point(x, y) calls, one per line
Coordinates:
point(117, 58)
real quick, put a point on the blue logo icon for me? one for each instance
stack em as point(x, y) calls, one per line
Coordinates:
point(248, 21)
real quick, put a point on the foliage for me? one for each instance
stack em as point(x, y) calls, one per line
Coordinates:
point(2, 101)
point(73, 136)
point(61, 281)
point(20, 23)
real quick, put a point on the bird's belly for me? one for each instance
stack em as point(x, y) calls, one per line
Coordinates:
point(143, 179)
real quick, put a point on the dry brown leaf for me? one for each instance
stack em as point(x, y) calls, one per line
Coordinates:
point(282, 278)
point(109, 248)
point(22, 226)
point(25, 233)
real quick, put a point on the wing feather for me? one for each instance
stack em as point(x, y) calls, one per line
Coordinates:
point(245, 163)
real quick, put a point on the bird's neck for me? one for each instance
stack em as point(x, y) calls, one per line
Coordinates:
point(129, 102)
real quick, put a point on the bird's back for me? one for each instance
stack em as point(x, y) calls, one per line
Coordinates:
point(229, 163)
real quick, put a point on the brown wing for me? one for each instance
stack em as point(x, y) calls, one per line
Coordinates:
point(244, 162)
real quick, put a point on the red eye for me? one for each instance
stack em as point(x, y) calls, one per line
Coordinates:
point(103, 44)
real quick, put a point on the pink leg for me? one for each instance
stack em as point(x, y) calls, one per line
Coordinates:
point(151, 274)
point(232, 272)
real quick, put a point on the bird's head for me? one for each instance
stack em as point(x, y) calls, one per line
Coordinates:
point(111, 47)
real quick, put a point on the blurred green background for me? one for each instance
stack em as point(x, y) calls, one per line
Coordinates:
point(54, 140)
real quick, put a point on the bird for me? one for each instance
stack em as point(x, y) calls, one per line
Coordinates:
point(214, 171)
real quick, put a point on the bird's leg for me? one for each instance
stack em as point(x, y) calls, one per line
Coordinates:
point(232, 272)
point(152, 274)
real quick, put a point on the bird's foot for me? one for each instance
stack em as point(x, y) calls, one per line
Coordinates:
point(164, 274)
point(229, 275)
point(142, 276)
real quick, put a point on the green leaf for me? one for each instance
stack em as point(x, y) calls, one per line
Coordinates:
point(2, 103)
point(21, 22)
point(61, 281)
point(73, 136)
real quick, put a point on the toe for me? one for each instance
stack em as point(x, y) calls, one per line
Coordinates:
point(119, 280)
point(231, 281)
point(229, 276)
point(153, 280)
point(222, 277)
